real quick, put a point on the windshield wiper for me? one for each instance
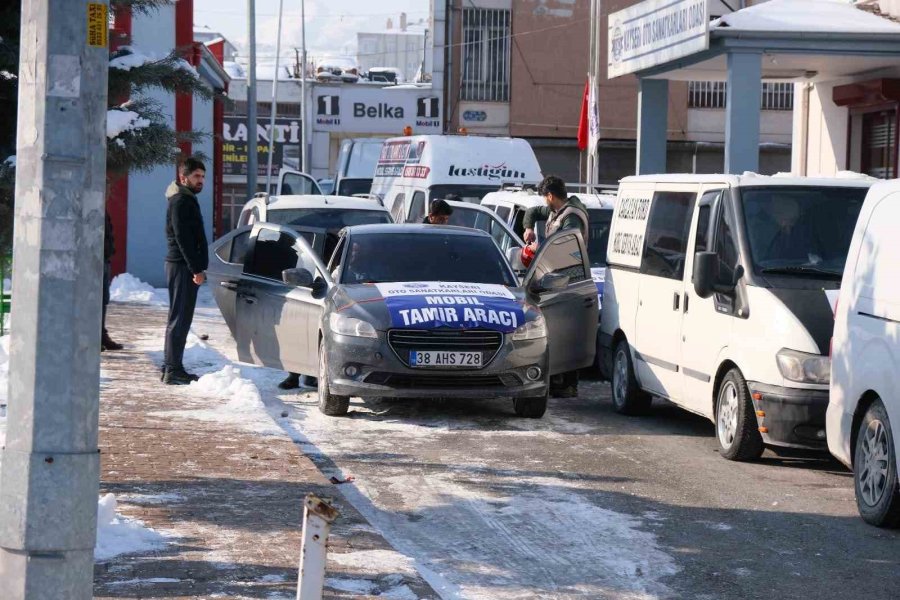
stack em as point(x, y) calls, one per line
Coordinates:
point(802, 270)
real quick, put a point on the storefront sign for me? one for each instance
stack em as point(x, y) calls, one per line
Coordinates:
point(363, 109)
point(654, 32)
point(234, 147)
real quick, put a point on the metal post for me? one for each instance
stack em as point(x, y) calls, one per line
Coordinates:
point(318, 516)
point(50, 466)
point(307, 112)
point(742, 112)
point(274, 100)
point(653, 117)
point(251, 101)
point(592, 74)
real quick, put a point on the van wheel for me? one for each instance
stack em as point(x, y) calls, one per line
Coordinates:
point(531, 408)
point(329, 404)
point(628, 398)
point(875, 469)
point(736, 426)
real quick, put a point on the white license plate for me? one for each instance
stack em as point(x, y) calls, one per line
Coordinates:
point(435, 358)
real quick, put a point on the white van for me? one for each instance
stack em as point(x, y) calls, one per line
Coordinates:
point(863, 419)
point(715, 299)
point(356, 166)
point(414, 170)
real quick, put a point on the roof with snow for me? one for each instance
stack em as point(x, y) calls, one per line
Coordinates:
point(809, 40)
point(822, 16)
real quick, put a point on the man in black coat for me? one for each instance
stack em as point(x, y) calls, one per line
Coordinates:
point(186, 263)
point(109, 248)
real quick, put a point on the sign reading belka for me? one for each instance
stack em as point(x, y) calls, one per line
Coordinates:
point(365, 109)
point(430, 305)
point(629, 227)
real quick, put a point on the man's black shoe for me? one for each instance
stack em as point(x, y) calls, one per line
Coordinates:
point(291, 382)
point(179, 377)
point(107, 343)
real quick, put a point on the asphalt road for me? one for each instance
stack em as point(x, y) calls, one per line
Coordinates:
point(588, 503)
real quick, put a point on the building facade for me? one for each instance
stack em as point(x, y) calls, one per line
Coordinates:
point(401, 47)
point(518, 68)
point(137, 203)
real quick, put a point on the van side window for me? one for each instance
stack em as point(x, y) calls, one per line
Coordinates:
point(397, 208)
point(702, 241)
point(503, 213)
point(667, 234)
point(417, 210)
point(726, 246)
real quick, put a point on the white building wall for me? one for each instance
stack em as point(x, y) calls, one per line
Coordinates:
point(708, 125)
point(146, 248)
point(398, 49)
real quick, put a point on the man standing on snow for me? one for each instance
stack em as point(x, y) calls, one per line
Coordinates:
point(109, 249)
point(560, 212)
point(186, 264)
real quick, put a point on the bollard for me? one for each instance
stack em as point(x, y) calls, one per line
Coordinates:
point(318, 516)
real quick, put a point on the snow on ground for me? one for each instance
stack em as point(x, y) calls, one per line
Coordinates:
point(128, 288)
point(120, 535)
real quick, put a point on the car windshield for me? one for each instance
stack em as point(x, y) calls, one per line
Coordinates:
point(463, 193)
point(801, 231)
point(348, 187)
point(332, 219)
point(424, 256)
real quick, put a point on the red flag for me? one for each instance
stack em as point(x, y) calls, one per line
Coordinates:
point(583, 119)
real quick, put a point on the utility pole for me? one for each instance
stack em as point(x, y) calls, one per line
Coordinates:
point(307, 110)
point(251, 101)
point(50, 466)
point(272, 111)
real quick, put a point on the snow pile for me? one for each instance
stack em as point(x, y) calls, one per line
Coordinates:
point(234, 70)
point(228, 383)
point(128, 288)
point(119, 121)
point(805, 16)
point(132, 60)
point(119, 535)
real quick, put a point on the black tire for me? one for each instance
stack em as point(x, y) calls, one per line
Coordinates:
point(530, 408)
point(737, 430)
point(628, 398)
point(329, 404)
point(875, 469)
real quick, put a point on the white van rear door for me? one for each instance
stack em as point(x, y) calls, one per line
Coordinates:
point(297, 183)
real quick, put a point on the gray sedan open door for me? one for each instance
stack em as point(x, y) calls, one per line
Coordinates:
point(559, 282)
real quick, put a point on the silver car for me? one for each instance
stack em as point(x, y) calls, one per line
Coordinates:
point(408, 311)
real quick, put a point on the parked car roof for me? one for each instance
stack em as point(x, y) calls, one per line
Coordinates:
point(315, 201)
point(845, 179)
point(416, 228)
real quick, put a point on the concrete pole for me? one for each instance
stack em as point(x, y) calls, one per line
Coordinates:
point(274, 107)
point(318, 516)
point(307, 110)
point(653, 122)
point(742, 112)
point(251, 101)
point(50, 466)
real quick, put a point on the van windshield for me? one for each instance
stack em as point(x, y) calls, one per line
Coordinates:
point(464, 193)
point(348, 187)
point(801, 231)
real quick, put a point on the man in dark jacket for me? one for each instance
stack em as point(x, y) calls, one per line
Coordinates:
point(439, 213)
point(560, 212)
point(109, 248)
point(186, 264)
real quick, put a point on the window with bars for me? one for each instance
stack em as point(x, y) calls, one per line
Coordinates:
point(485, 55)
point(712, 94)
point(282, 109)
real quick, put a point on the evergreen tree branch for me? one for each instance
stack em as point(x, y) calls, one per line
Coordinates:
point(139, 7)
point(171, 74)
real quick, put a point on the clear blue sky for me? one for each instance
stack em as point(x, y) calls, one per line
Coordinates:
point(331, 25)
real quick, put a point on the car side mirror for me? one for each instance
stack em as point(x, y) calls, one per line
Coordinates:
point(514, 256)
point(551, 282)
point(707, 278)
point(298, 277)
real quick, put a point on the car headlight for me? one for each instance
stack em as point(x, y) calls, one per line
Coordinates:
point(344, 325)
point(804, 368)
point(531, 330)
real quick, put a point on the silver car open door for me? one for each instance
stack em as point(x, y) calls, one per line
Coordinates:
point(297, 183)
point(279, 300)
point(466, 214)
point(559, 282)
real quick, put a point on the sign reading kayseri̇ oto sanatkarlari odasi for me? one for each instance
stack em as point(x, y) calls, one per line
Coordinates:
point(654, 32)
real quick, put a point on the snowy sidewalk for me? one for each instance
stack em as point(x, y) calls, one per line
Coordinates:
point(212, 472)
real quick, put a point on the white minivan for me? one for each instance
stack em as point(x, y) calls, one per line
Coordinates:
point(715, 299)
point(414, 170)
point(864, 412)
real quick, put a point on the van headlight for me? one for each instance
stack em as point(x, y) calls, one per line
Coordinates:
point(344, 325)
point(531, 330)
point(804, 368)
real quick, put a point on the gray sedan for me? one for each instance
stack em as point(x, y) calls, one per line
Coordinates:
point(408, 311)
